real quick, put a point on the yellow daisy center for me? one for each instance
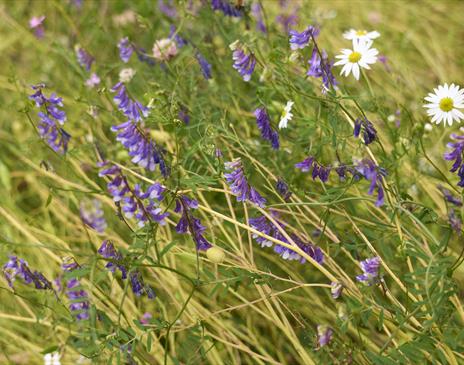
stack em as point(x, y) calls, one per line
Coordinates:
point(361, 32)
point(354, 57)
point(446, 104)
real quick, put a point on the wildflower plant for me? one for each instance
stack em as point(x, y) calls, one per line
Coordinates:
point(191, 182)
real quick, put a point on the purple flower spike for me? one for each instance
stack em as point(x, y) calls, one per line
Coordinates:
point(84, 58)
point(256, 11)
point(92, 215)
point(226, 8)
point(167, 8)
point(125, 49)
point(80, 305)
point(370, 268)
point(181, 42)
point(264, 125)
point(450, 197)
point(239, 186)
point(19, 268)
point(133, 109)
point(318, 170)
point(108, 251)
point(301, 40)
point(204, 65)
point(370, 171)
point(369, 132)
point(322, 69)
point(244, 63)
point(455, 154)
point(283, 189)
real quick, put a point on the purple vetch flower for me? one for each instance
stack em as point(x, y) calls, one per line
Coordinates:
point(318, 170)
point(133, 109)
point(84, 58)
point(450, 197)
point(322, 68)
point(51, 119)
point(263, 225)
point(264, 125)
point(301, 40)
point(19, 268)
point(373, 173)
point(244, 62)
point(369, 132)
point(167, 8)
point(36, 24)
point(336, 289)
point(324, 335)
point(183, 115)
point(455, 154)
point(146, 318)
point(283, 189)
point(257, 13)
point(370, 268)
point(93, 80)
point(133, 202)
point(92, 215)
point(239, 186)
point(189, 224)
point(126, 48)
point(108, 251)
point(204, 65)
point(226, 8)
point(139, 287)
point(79, 298)
point(181, 42)
point(455, 221)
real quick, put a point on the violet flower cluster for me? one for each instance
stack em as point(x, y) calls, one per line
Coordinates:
point(322, 68)
point(204, 65)
point(126, 48)
point(244, 61)
point(455, 154)
point(370, 268)
point(189, 224)
point(226, 8)
point(239, 185)
point(92, 215)
point(369, 132)
point(19, 268)
point(264, 125)
point(133, 202)
point(324, 335)
point(79, 298)
point(283, 189)
point(84, 58)
point(449, 197)
point(301, 40)
point(51, 119)
point(318, 170)
point(373, 173)
point(264, 225)
point(132, 109)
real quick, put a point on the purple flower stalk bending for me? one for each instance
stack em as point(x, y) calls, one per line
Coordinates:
point(455, 154)
point(301, 40)
point(80, 305)
point(189, 224)
point(132, 109)
point(265, 226)
point(370, 268)
point(238, 183)
point(144, 206)
point(50, 119)
point(369, 132)
point(226, 8)
point(370, 171)
point(126, 48)
point(244, 62)
point(204, 65)
point(321, 69)
point(264, 125)
point(92, 215)
point(318, 170)
point(19, 268)
point(84, 58)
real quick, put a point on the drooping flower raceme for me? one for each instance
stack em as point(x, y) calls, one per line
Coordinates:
point(204, 65)
point(238, 183)
point(360, 35)
point(321, 68)
point(244, 61)
point(92, 215)
point(131, 108)
point(370, 268)
point(283, 189)
point(51, 119)
point(353, 59)
point(373, 173)
point(301, 40)
point(455, 154)
point(318, 171)
point(286, 115)
point(369, 132)
point(264, 225)
point(444, 104)
point(19, 268)
point(80, 305)
point(264, 125)
point(84, 58)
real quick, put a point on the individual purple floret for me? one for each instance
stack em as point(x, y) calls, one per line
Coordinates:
point(36, 24)
point(19, 268)
point(324, 335)
point(126, 48)
point(239, 186)
point(204, 65)
point(455, 154)
point(167, 8)
point(455, 221)
point(244, 62)
point(181, 42)
point(336, 289)
point(84, 58)
point(139, 287)
point(318, 170)
point(321, 69)
point(370, 171)
point(283, 189)
point(450, 197)
point(189, 224)
point(369, 132)
point(263, 225)
point(301, 40)
point(108, 251)
point(92, 215)
point(80, 305)
point(264, 125)
point(133, 109)
point(257, 13)
point(226, 8)
point(370, 268)
point(51, 117)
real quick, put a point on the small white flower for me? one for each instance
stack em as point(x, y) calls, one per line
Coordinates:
point(360, 56)
point(444, 104)
point(362, 35)
point(52, 359)
point(126, 74)
point(428, 127)
point(286, 115)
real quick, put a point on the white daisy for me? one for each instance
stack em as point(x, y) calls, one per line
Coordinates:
point(286, 115)
point(360, 56)
point(444, 104)
point(362, 35)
